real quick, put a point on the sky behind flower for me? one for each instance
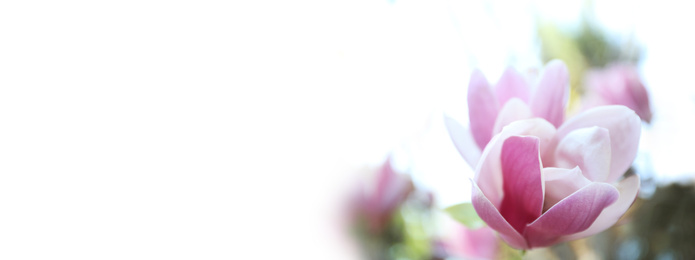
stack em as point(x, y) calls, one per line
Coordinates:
point(165, 129)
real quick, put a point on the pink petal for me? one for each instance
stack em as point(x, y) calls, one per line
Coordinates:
point(395, 191)
point(513, 110)
point(589, 148)
point(481, 243)
point(624, 128)
point(488, 174)
point(638, 96)
point(620, 84)
point(482, 108)
point(628, 189)
point(574, 214)
point(549, 98)
point(561, 183)
point(512, 85)
point(463, 141)
point(523, 182)
point(488, 213)
point(391, 190)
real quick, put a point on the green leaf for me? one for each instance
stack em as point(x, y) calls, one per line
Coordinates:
point(507, 252)
point(465, 213)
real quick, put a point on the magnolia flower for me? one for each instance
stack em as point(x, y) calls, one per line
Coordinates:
point(537, 185)
point(512, 98)
point(481, 243)
point(378, 205)
point(618, 84)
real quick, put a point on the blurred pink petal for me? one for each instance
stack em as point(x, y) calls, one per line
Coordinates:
point(482, 108)
point(618, 84)
point(390, 192)
point(513, 110)
point(549, 98)
point(392, 189)
point(571, 215)
point(512, 85)
point(481, 243)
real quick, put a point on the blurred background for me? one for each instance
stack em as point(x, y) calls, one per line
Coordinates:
point(592, 37)
point(218, 130)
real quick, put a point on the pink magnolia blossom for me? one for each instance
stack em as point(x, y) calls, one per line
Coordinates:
point(512, 98)
point(618, 84)
point(481, 243)
point(537, 185)
point(378, 205)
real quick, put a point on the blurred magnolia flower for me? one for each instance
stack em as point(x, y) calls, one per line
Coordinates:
point(512, 98)
point(617, 84)
point(537, 185)
point(378, 205)
point(481, 243)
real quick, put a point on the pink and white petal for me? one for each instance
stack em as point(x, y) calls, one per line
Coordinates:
point(573, 214)
point(512, 85)
point(523, 183)
point(536, 127)
point(463, 141)
point(624, 127)
point(628, 189)
point(513, 110)
point(488, 172)
point(561, 183)
point(550, 96)
point(489, 213)
point(590, 149)
point(482, 108)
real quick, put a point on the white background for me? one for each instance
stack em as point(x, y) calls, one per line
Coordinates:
point(218, 130)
